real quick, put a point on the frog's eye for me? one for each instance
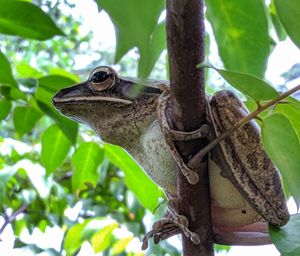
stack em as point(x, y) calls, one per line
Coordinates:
point(101, 79)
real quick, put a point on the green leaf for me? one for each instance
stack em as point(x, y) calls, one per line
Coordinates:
point(86, 231)
point(44, 95)
point(72, 241)
point(64, 73)
point(252, 86)
point(86, 161)
point(281, 34)
point(69, 127)
point(282, 145)
point(221, 248)
point(18, 226)
point(136, 180)
point(13, 93)
point(47, 87)
point(287, 239)
point(25, 118)
point(121, 245)
point(241, 31)
point(55, 148)
point(30, 83)
point(5, 176)
point(26, 20)
point(157, 44)
point(2, 162)
point(43, 225)
point(5, 107)
point(289, 13)
point(6, 76)
point(292, 111)
point(135, 22)
point(53, 83)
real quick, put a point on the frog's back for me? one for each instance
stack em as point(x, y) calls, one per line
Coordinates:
point(255, 175)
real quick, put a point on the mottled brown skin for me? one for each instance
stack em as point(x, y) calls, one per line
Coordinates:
point(239, 200)
point(249, 167)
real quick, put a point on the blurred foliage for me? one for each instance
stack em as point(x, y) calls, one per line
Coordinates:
point(57, 175)
point(36, 141)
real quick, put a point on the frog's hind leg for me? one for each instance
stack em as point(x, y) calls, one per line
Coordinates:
point(254, 234)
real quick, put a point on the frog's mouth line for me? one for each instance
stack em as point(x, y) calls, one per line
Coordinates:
point(56, 100)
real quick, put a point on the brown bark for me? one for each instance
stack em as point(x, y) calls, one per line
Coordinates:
point(185, 39)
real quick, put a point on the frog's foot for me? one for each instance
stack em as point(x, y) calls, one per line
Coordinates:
point(172, 224)
point(168, 227)
point(172, 135)
point(161, 230)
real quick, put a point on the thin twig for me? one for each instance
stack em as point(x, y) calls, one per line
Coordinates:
point(12, 217)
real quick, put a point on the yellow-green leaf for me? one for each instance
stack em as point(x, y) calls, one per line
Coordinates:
point(121, 245)
point(102, 238)
point(26, 71)
point(95, 230)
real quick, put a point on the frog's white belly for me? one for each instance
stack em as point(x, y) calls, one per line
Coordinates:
point(156, 159)
point(228, 206)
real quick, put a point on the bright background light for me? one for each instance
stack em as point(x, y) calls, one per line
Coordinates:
point(283, 57)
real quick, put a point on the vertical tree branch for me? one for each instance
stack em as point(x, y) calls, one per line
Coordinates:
point(185, 40)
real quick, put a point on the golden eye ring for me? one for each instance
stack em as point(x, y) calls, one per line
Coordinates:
point(102, 78)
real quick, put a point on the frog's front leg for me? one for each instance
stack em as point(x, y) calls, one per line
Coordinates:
point(171, 136)
point(175, 223)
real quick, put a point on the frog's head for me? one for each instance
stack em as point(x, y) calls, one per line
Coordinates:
point(108, 103)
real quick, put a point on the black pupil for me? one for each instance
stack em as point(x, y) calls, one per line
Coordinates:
point(99, 77)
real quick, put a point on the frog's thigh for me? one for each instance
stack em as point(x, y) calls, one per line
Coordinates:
point(228, 207)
